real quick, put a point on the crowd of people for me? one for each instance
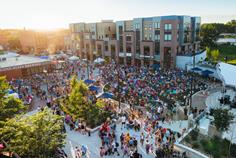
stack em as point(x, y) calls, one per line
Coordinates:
point(133, 85)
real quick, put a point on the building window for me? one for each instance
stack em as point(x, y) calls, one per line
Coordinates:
point(106, 46)
point(128, 38)
point(120, 29)
point(145, 28)
point(150, 27)
point(137, 26)
point(168, 26)
point(157, 37)
point(156, 25)
point(167, 37)
point(177, 26)
point(150, 36)
point(146, 50)
point(145, 36)
point(128, 48)
point(109, 28)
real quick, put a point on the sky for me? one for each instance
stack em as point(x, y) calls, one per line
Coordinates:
point(52, 14)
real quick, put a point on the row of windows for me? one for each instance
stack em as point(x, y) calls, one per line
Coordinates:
point(167, 37)
point(156, 26)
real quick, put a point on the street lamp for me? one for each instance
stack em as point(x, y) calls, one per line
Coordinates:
point(87, 65)
point(118, 82)
point(191, 90)
point(45, 71)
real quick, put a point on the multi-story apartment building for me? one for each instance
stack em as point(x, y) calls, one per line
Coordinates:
point(141, 41)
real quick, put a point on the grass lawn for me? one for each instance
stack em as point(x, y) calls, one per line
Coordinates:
point(227, 50)
point(214, 147)
point(232, 62)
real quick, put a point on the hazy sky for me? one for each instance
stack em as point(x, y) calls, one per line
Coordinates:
point(48, 14)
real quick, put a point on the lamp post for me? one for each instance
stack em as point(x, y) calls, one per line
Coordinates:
point(87, 65)
point(118, 83)
point(192, 87)
point(45, 71)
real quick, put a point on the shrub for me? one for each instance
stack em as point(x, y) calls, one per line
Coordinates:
point(187, 139)
point(203, 142)
point(196, 145)
point(194, 135)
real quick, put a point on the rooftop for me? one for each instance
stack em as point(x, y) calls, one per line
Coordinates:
point(20, 60)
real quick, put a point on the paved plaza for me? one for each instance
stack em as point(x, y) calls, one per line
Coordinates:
point(93, 142)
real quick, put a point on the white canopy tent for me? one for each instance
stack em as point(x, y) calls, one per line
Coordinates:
point(74, 58)
point(15, 95)
point(99, 60)
point(227, 73)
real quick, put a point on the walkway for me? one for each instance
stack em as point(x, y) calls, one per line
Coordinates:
point(93, 143)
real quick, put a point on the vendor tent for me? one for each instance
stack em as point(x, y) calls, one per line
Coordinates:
point(99, 60)
point(10, 91)
point(44, 57)
point(88, 81)
point(227, 73)
point(156, 66)
point(74, 58)
point(15, 95)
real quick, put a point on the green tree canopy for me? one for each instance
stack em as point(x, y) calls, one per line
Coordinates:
point(35, 136)
point(209, 35)
point(77, 101)
point(9, 106)
point(79, 106)
point(222, 119)
point(208, 52)
point(211, 31)
point(215, 54)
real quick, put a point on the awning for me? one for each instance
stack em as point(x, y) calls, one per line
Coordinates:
point(88, 81)
point(196, 69)
point(207, 72)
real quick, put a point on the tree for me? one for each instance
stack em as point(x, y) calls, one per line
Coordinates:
point(9, 106)
point(208, 52)
point(231, 26)
point(222, 119)
point(215, 54)
point(209, 35)
point(79, 105)
point(35, 136)
point(77, 101)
